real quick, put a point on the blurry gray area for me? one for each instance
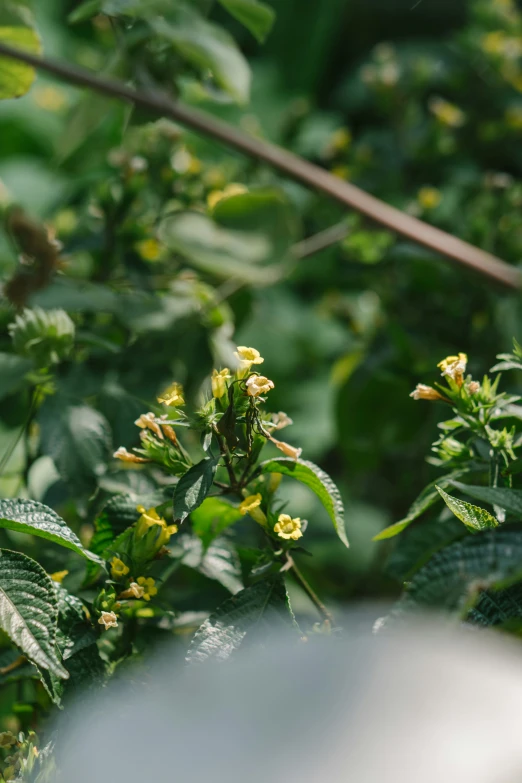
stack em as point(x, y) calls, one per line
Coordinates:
point(418, 705)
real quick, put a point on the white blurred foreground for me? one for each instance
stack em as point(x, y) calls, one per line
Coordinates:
point(421, 705)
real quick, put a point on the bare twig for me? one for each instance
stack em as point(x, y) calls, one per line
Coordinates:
point(320, 241)
point(286, 162)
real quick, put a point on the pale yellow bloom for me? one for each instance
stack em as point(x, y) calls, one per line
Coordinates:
point(133, 591)
point(248, 356)
point(429, 198)
point(422, 392)
point(127, 456)
point(474, 387)
point(149, 249)
point(146, 421)
point(258, 384)
point(173, 395)
point(341, 172)
point(250, 505)
point(340, 140)
point(219, 379)
point(150, 518)
point(287, 449)
point(49, 98)
point(454, 367)
point(280, 420)
point(118, 568)
point(149, 588)
point(59, 576)
point(447, 113)
point(234, 189)
point(108, 620)
point(288, 528)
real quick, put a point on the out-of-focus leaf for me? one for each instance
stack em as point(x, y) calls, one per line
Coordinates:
point(508, 499)
point(420, 543)
point(318, 481)
point(29, 516)
point(16, 30)
point(219, 561)
point(13, 370)
point(212, 518)
point(29, 610)
point(192, 488)
point(12, 669)
point(474, 517)
point(257, 17)
point(258, 608)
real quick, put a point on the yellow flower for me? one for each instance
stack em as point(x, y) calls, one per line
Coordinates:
point(340, 140)
point(454, 367)
point(288, 528)
point(173, 395)
point(280, 420)
point(59, 576)
point(258, 384)
point(108, 620)
point(341, 172)
point(474, 387)
point(149, 249)
point(429, 198)
point(248, 356)
point(422, 392)
point(146, 421)
point(149, 588)
point(287, 449)
point(127, 456)
point(447, 113)
point(250, 505)
point(147, 519)
point(493, 43)
point(219, 379)
point(118, 568)
point(133, 591)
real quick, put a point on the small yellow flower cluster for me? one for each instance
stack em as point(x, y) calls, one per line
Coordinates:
point(429, 198)
point(288, 528)
point(454, 367)
point(172, 396)
point(447, 113)
point(150, 518)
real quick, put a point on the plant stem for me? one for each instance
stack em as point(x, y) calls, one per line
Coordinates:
point(227, 460)
point(290, 164)
point(321, 608)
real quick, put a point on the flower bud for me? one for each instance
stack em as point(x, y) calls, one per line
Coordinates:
point(422, 392)
point(250, 505)
point(219, 382)
point(287, 449)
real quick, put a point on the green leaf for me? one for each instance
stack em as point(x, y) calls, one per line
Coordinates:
point(77, 438)
point(420, 543)
point(474, 517)
point(218, 251)
point(454, 577)
point(29, 516)
point(207, 46)
point(212, 518)
point(13, 370)
point(422, 503)
point(25, 671)
point(259, 607)
point(16, 30)
point(318, 481)
point(256, 17)
point(192, 488)
point(498, 607)
point(508, 499)
point(29, 609)
point(84, 11)
point(219, 561)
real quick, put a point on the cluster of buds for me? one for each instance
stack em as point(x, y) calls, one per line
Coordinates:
point(21, 755)
point(453, 369)
point(286, 527)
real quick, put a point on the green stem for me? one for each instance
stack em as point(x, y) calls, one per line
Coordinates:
point(321, 608)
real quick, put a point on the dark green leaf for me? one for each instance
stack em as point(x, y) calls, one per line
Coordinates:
point(29, 609)
point(257, 17)
point(29, 516)
point(192, 488)
point(255, 608)
point(419, 543)
point(219, 561)
point(318, 481)
point(474, 517)
point(509, 499)
point(23, 671)
point(13, 370)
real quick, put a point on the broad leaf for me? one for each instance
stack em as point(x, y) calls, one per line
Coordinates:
point(29, 516)
point(256, 608)
point(13, 370)
point(474, 517)
point(318, 481)
point(257, 17)
point(498, 607)
point(207, 47)
point(219, 561)
point(77, 438)
point(192, 488)
point(212, 518)
point(453, 578)
point(14, 667)
point(29, 610)
point(508, 499)
point(422, 503)
point(419, 543)
point(16, 30)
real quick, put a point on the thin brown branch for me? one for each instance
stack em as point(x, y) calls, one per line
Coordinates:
point(299, 169)
point(320, 241)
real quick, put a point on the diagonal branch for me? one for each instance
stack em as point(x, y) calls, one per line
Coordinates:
point(292, 165)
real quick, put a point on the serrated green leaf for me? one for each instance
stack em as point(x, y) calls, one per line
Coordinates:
point(422, 503)
point(37, 519)
point(506, 498)
point(255, 16)
point(260, 606)
point(497, 607)
point(16, 77)
point(453, 578)
point(192, 488)
point(318, 481)
point(29, 610)
point(219, 561)
point(421, 542)
point(212, 518)
point(474, 517)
